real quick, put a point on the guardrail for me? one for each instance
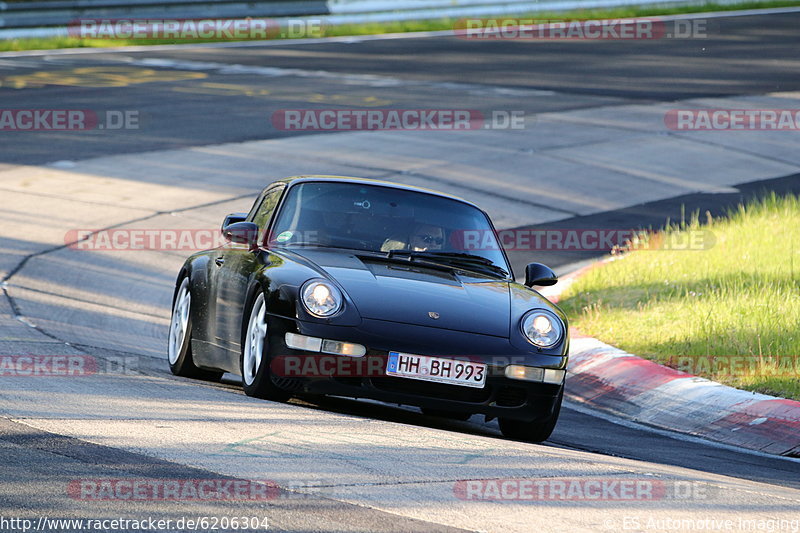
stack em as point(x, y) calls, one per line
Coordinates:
point(62, 12)
point(50, 18)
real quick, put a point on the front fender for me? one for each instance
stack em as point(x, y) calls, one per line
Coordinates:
point(281, 279)
point(524, 299)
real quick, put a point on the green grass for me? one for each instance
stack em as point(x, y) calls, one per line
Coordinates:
point(407, 26)
point(693, 309)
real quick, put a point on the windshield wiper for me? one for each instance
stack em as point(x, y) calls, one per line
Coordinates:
point(467, 261)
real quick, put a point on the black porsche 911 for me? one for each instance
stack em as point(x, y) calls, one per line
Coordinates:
point(368, 289)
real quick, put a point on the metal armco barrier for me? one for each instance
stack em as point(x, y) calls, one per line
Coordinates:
point(49, 18)
point(63, 12)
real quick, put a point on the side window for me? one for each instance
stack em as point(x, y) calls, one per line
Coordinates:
point(265, 210)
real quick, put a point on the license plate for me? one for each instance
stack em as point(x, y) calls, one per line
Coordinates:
point(436, 369)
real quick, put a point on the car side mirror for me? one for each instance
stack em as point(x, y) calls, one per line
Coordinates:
point(539, 274)
point(233, 218)
point(242, 233)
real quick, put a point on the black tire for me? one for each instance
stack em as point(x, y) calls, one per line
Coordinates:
point(441, 413)
point(538, 431)
point(256, 375)
point(179, 352)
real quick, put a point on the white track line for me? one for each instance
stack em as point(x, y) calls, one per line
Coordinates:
point(370, 80)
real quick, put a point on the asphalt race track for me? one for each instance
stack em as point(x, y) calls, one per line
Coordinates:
point(204, 144)
point(738, 56)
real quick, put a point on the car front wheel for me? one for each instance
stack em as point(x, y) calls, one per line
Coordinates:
point(537, 431)
point(255, 360)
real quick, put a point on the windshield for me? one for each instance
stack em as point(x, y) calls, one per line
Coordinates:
point(379, 219)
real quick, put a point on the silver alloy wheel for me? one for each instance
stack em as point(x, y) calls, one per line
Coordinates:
point(255, 340)
point(180, 321)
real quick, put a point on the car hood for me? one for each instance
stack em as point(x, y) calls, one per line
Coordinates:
point(413, 294)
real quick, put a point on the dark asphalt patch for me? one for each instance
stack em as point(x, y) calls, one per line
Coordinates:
point(733, 55)
point(211, 109)
point(585, 432)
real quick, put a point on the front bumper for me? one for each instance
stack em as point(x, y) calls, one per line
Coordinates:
point(500, 397)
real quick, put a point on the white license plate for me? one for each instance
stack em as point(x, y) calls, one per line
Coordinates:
point(436, 369)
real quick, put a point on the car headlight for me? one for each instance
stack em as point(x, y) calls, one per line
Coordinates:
point(321, 298)
point(542, 328)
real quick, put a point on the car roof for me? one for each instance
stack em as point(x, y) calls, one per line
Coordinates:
point(295, 180)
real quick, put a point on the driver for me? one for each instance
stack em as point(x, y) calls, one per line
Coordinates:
point(425, 237)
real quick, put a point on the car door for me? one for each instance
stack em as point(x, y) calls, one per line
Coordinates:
point(236, 265)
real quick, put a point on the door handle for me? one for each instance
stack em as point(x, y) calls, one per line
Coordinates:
point(219, 261)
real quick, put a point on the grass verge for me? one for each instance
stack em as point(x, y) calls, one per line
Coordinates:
point(407, 26)
point(730, 312)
